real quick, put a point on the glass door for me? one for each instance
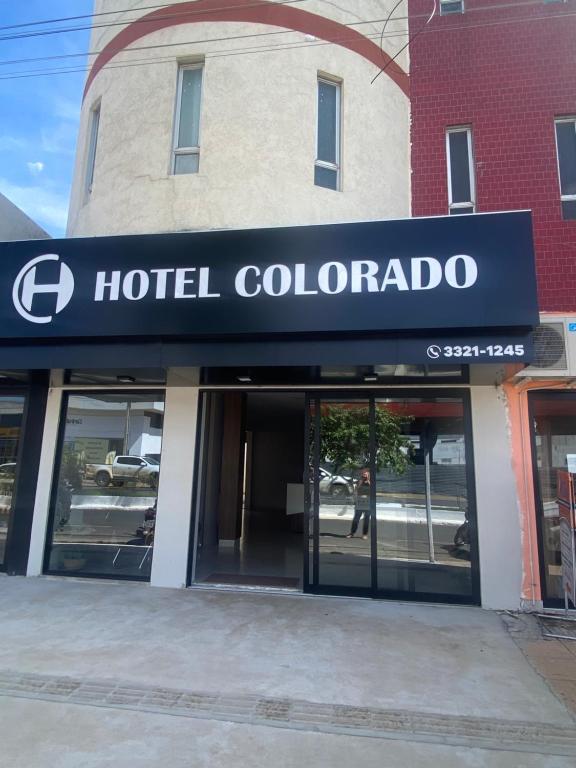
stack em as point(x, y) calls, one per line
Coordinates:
point(340, 495)
point(389, 501)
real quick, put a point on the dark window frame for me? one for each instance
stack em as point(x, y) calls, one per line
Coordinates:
point(48, 540)
point(567, 200)
point(313, 587)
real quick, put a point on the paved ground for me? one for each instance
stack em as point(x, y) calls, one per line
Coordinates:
point(98, 674)
point(553, 658)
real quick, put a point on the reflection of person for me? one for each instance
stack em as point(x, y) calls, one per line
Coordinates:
point(362, 506)
point(63, 503)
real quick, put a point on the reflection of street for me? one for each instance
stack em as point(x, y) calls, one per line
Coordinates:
point(401, 533)
point(104, 518)
point(395, 512)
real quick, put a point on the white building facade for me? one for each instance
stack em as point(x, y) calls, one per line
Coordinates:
point(303, 444)
point(246, 92)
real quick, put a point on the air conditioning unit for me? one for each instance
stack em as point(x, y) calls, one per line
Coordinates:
point(554, 348)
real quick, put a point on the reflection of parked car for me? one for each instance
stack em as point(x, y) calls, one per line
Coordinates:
point(335, 485)
point(124, 469)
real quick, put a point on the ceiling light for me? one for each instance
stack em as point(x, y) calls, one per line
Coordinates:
point(125, 379)
point(370, 377)
point(244, 379)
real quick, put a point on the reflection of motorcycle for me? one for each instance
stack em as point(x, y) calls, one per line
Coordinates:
point(145, 532)
point(462, 535)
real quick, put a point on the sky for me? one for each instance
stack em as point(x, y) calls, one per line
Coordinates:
point(39, 115)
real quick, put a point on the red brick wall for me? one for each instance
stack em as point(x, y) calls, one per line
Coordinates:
point(508, 72)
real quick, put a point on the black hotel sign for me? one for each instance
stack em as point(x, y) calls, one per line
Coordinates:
point(446, 274)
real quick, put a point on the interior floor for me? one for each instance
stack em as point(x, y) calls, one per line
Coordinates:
point(248, 534)
point(269, 559)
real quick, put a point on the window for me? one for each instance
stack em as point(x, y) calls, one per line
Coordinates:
point(105, 489)
point(327, 166)
point(186, 153)
point(566, 150)
point(451, 6)
point(11, 413)
point(461, 191)
point(130, 461)
point(91, 162)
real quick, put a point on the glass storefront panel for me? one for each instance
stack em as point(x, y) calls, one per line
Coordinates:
point(390, 497)
point(11, 410)
point(342, 479)
point(554, 438)
point(423, 539)
point(104, 503)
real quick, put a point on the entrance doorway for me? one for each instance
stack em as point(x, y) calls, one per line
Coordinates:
point(251, 501)
point(335, 493)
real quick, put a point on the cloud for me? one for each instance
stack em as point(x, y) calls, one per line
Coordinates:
point(67, 109)
point(46, 206)
point(35, 168)
point(61, 140)
point(11, 143)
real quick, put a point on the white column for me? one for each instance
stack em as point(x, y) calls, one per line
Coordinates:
point(499, 535)
point(174, 508)
point(43, 488)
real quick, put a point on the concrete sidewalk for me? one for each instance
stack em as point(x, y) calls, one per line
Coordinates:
point(223, 665)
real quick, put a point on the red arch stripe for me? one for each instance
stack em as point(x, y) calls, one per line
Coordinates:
point(257, 12)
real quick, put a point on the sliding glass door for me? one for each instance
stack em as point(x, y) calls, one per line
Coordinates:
point(390, 499)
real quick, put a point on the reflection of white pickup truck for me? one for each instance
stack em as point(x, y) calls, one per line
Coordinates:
point(124, 469)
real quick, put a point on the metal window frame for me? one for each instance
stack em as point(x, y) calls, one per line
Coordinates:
point(67, 392)
point(337, 166)
point(176, 150)
point(312, 583)
point(558, 121)
point(94, 131)
point(471, 203)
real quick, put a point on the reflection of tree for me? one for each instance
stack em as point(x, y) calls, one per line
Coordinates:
point(345, 438)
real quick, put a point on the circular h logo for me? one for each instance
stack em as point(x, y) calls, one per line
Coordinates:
point(25, 289)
